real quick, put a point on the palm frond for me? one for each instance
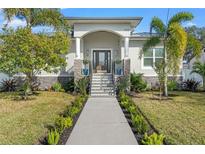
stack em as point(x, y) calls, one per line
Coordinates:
point(194, 48)
point(153, 41)
point(176, 46)
point(181, 17)
point(199, 68)
point(50, 17)
point(157, 25)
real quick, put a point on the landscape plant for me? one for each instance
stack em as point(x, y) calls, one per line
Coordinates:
point(190, 85)
point(63, 122)
point(174, 39)
point(24, 51)
point(199, 68)
point(172, 85)
point(123, 83)
point(137, 83)
point(57, 87)
point(53, 137)
point(8, 85)
point(82, 86)
point(25, 90)
point(153, 139)
point(139, 123)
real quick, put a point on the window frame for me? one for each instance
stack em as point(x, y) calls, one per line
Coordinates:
point(153, 58)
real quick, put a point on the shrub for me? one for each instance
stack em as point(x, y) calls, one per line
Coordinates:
point(63, 122)
point(137, 83)
point(123, 84)
point(25, 90)
point(70, 86)
point(132, 109)
point(79, 102)
point(139, 123)
point(8, 85)
point(57, 87)
point(190, 85)
point(53, 137)
point(82, 86)
point(172, 85)
point(153, 139)
point(71, 111)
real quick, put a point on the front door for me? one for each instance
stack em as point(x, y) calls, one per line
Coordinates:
point(101, 61)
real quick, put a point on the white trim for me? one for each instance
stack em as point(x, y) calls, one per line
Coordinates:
point(153, 58)
point(156, 75)
point(53, 75)
point(92, 49)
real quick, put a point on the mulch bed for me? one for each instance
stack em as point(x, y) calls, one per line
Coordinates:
point(66, 133)
point(151, 126)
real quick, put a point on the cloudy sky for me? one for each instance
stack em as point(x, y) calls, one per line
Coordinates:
point(147, 15)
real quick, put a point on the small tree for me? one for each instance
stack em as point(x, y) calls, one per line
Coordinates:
point(200, 69)
point(159, 69)
point(28, 53)
point(23, 51)
point(174, 39)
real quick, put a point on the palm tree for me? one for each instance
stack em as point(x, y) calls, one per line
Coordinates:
point(38, 17)
point(199, 68)
point(174, 39)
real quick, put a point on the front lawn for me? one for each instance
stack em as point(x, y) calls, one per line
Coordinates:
point(24, 122)
point(181, 118)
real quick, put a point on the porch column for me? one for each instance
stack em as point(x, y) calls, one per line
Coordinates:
point(126, 46)
point(126, 57)
point(78, 62)
point(77, 43)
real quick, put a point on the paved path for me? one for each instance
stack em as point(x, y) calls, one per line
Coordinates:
point(102, 122)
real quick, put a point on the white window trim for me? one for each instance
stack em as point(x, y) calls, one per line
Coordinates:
point(153, 58)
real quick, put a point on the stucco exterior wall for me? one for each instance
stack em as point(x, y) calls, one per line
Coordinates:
point(102, 40)
point(81, 30)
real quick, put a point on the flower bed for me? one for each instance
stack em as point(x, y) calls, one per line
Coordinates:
point(144, 131)
point(61, 130)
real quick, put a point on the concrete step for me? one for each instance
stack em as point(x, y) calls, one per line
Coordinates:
point(102, 81)
point(103, 88)
point(102, 91)
point(102, 78)
point(102, 94)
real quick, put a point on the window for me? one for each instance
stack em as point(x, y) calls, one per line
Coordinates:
point(152, 56)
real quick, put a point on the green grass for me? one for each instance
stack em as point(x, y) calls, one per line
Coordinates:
point(181, 118)
point(24, 122)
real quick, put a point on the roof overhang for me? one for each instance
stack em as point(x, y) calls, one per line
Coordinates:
point(133, 21)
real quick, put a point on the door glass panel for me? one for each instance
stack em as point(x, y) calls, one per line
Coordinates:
point(101, 61)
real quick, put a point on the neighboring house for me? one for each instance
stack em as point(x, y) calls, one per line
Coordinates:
point(106, 45)
point(187, 68)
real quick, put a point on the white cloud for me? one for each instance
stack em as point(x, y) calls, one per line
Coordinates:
point(15, 23)
point(189, 24)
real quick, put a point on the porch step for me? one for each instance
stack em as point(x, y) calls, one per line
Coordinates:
point(102, 85)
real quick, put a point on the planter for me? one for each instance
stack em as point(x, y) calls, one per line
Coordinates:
point(85, 71)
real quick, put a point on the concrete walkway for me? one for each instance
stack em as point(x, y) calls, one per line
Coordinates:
point(102, 122)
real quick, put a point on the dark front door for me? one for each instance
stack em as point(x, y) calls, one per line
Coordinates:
point(101, 61)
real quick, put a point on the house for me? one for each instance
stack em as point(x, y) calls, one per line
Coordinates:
point(108, 46)
point(187, 68)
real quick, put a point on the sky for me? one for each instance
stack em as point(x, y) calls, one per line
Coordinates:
point(147, 14)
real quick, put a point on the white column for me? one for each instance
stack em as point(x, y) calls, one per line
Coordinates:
point(126, 45)
point(77, 42)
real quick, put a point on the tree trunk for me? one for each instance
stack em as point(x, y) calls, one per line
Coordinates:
point(165, 91)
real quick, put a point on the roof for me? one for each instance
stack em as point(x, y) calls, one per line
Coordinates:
point(134, 21)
